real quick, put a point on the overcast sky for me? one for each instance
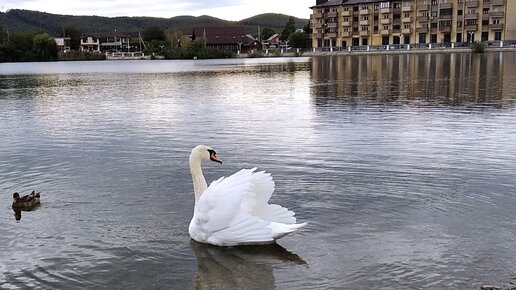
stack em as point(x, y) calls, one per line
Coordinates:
point(225, 9)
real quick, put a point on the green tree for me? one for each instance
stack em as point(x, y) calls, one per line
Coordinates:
point(307, 28)
point(45, 47)
point(22, 40)
point(290, 28)
point(153, 33)
point(299, 40)
point(175, 37)
point(267, 33)
point(2, 35)
point(75, 37)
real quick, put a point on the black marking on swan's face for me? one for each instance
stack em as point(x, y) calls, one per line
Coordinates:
point(213, 156)
point(16, 195)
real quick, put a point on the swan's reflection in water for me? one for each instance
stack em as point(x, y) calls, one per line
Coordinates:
point(242, 267)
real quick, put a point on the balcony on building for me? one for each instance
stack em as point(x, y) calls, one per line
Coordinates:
point(385, 10)
point(497, 2)
point(385, 21)
point(422, 7)
point(471, 3)
point(446, 6)
point(471, 27)
point(317, 25)
point(346, 13)
point(364, 33)
point(318, 35)
point(445, 17)
point(346, 23)
point(385, 32)
point(471, 16)
point(331, 24)
point(422, 19)
point(346, 34)
point(364, 12)
point(406, 8)
point(406, 31)
point(406, 19)
point(364, 22)
point(444, 29)
point(497, 14)
point(317, 15)
point(422, 29)
point(331, 14)
point(497, 26)
point(331, 35)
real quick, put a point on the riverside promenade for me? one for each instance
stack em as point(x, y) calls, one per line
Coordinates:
point(410, 48)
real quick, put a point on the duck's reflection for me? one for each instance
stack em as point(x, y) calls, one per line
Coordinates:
point(17, 214)
point(242, 267)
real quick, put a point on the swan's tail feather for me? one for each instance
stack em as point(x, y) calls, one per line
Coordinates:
point(280, 230)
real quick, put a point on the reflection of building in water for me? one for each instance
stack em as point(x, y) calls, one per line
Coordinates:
point(343, 23)
point(440, 79)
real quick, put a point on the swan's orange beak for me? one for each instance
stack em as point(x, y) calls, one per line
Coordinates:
point(213, 157)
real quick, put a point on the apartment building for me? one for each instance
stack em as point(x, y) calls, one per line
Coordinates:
point(342, 23)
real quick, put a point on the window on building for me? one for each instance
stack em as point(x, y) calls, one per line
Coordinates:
point(471, 22)
point(484, 36)
point(422, 38)
point(446, 23)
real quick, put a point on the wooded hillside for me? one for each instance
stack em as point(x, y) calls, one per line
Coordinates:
point(26, 20)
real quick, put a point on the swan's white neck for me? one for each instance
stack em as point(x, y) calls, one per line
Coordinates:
point(199, 183)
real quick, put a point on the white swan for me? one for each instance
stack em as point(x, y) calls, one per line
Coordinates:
point(235, 210)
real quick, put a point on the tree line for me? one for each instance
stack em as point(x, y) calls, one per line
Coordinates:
point(27, 46)
point(40, 46)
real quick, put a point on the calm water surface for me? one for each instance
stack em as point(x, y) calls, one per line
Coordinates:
point(404, 167)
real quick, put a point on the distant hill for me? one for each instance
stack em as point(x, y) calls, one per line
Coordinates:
point(27, 20)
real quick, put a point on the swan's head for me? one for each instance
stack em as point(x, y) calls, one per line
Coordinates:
point(16, 196)
point(204, 152)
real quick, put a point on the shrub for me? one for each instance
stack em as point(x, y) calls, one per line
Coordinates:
point(478, 47)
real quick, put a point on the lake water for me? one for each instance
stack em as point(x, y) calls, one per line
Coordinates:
point(403, 165)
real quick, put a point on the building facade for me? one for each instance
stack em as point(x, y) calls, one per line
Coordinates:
point(231, 38)
point(343, 23)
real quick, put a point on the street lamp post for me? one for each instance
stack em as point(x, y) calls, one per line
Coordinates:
point(239, 47)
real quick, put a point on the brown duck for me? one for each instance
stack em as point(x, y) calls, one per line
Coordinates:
point(26, 202)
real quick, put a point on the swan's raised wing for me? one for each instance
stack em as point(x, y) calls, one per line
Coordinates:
point(257, 201)
point(219, 217)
